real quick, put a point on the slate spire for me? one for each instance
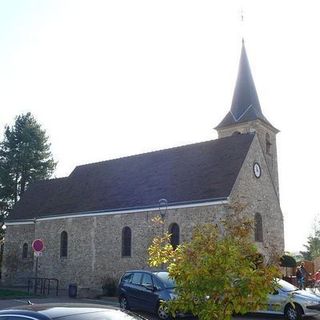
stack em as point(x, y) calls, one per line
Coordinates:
point(245, 103)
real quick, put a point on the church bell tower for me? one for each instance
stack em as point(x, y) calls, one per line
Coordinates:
point(246, 116)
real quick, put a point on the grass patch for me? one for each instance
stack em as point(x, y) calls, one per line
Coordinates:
point(8, 294)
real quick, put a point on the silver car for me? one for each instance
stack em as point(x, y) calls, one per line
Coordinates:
point(291, 302)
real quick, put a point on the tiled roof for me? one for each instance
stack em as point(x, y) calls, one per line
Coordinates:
point(187, 174)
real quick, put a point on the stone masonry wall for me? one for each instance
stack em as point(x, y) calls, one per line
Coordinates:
point(94, 243)
point(261, 129)
point(15, 268)
point(261, 197)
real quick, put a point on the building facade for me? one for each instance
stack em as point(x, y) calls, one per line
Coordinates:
point(97, 222)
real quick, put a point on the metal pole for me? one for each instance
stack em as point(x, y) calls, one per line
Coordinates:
point(163, 205)
point(36, 276)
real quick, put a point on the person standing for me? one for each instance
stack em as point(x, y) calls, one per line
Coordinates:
point(299, 277)
point(302, 276)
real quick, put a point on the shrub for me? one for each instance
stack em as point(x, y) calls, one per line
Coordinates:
point(109, 286)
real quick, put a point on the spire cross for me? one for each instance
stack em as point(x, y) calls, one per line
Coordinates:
point(242, 24)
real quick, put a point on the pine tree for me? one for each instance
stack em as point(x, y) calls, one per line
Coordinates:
point(25, 157)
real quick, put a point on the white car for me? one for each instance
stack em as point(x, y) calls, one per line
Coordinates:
point(291, 302)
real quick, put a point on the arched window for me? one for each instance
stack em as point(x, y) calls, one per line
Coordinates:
point(64, 244)
point(258, 230)
point(126, 242)
point(175, 235)
point(25, 251)
point(268, 144)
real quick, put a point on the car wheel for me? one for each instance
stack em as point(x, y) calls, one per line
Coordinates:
point(124, 304)
point(293, 312)
point(163, 312)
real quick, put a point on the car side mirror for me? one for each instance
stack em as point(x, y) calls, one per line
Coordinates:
point(149, 286)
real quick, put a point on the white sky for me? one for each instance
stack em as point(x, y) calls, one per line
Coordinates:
point(115, 78)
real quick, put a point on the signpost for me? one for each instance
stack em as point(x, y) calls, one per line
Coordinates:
point(37, 246)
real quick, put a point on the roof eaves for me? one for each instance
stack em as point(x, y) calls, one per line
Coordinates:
point(173, 205)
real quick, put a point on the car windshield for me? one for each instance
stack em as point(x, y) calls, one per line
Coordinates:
point(167, 281)
point(286, 286)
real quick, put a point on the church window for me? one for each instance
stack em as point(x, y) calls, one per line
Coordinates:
point(175, 234)
point(258, 230)
point(64, 244)
point(126, 242)
point(268, 144)
point(25, 251)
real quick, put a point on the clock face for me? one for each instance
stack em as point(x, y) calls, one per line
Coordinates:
point(257, 169)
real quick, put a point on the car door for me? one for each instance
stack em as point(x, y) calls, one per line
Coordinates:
point(148, 296)
point(276, 302)
point(133, 291)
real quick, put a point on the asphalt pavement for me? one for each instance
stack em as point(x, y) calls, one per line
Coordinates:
point(11, 303)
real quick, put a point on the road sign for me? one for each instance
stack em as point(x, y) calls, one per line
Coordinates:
point(37, 253)
point(37, 245)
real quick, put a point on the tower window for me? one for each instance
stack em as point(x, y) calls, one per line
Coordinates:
point(258, 230)
point(126, 242)
point(268, 144)
point(64, 244)
point(25, 251)
point(175, 235)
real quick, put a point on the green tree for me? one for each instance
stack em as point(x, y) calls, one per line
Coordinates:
point(25, 157)
point(313, 242)
point(312, 247)
point(216, 275)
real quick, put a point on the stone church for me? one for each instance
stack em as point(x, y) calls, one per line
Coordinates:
point(97, 222)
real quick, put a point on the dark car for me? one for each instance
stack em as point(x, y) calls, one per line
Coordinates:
point(145, 290)
point(67, 311)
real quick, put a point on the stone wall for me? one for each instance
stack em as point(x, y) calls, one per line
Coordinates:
point(261, 130)
point(94, 243)
point(260, 196)
point(15, 268)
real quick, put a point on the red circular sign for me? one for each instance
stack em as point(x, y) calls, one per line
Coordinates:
point(38, 245)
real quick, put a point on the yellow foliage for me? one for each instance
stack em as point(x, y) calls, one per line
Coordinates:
point(216, 275)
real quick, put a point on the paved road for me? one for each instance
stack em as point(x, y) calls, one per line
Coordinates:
point(16, 302)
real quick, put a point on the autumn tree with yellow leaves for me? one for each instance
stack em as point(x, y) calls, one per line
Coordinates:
point(219, 272)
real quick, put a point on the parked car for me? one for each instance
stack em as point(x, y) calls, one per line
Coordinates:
point(145, 290)
point(291, 302)
point(67, 311)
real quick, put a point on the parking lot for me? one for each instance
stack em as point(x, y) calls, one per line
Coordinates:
point(113, 301)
